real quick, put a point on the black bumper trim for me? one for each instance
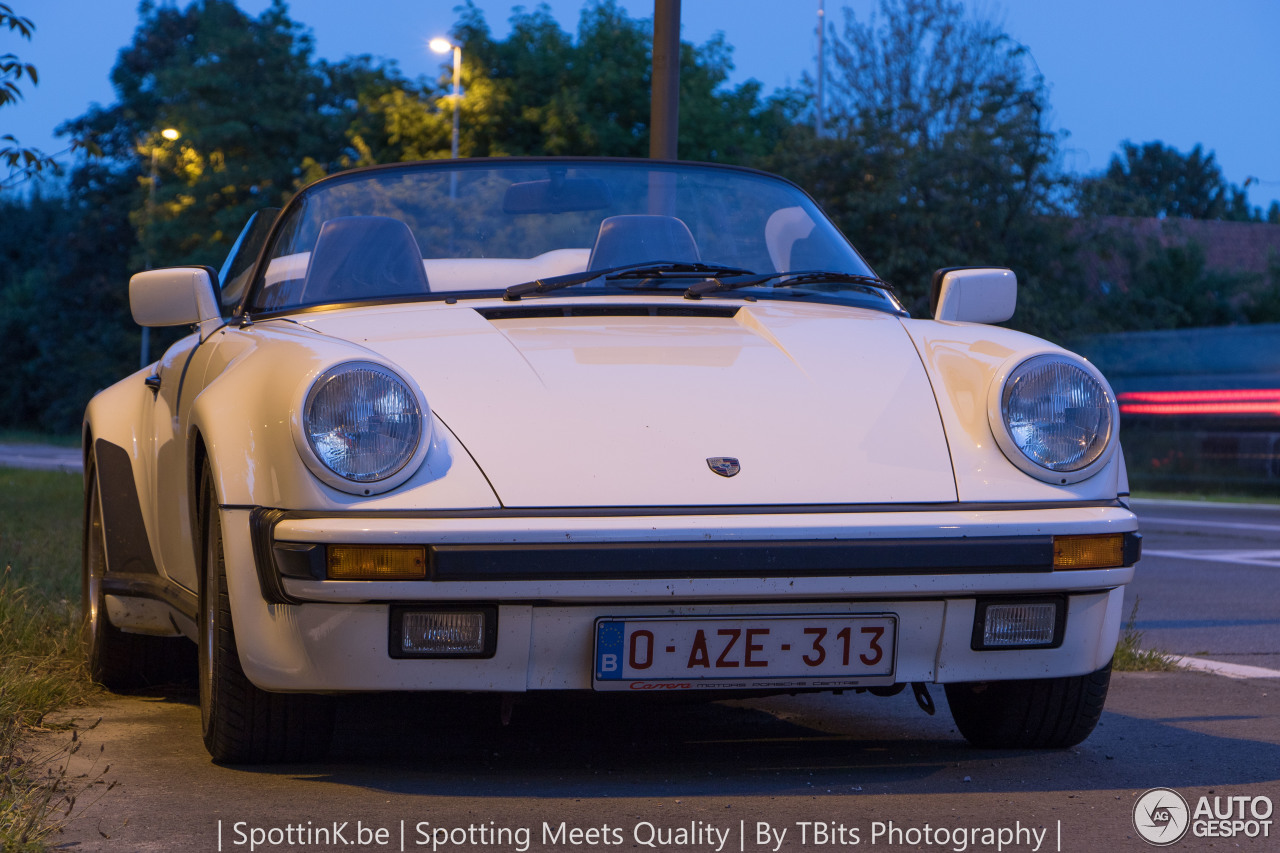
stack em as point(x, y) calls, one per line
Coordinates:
point(663, 511)
point(681, 560)
point(139, 585)
point(775, 558)
point(262, 526)
point(1131, 551)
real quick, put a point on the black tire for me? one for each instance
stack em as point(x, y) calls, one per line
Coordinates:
point(115, 659)
point(1044, 713)
point(241, 723)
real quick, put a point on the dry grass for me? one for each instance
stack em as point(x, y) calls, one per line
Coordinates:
point(41, 666)
point(1131, 657)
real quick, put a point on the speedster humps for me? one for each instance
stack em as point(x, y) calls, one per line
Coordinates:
point(596, 425)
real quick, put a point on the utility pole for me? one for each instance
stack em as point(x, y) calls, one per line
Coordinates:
point(664, 106)
point(444, 45)
point(822, 65)
point(170, 134)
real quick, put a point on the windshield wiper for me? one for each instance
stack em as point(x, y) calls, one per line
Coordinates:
point(648, 269)
point(794, 277)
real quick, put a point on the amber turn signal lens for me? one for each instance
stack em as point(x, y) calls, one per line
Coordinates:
point(1088, 552)
point(377, 563)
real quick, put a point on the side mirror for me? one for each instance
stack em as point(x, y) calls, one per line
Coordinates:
point(973, 294)
point(175, 296)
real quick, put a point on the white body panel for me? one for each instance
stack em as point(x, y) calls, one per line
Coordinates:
point(964, 360)
point(339, 640)
point(819, 406)
point(172, 297)
point(825, 406)
point(977, 296)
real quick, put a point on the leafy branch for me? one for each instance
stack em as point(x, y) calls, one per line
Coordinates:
point(21, 161)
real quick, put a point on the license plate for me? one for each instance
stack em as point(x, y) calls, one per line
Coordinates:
point(745, 652)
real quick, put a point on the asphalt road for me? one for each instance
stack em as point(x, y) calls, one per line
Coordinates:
point(41, 457)
point(1209, 581)
point(422, 765)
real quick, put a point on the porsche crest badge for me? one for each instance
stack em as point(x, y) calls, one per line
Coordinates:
point(725, 466)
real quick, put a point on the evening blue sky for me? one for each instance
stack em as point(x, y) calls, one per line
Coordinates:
point(1180, 71)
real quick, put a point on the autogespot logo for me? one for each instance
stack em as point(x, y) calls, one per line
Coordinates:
point(1160, 816)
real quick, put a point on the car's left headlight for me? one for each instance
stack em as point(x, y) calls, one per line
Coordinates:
point(362, 428)
point(1054, 417)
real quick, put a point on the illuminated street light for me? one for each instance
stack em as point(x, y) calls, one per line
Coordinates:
point(443, 45)
point(171, 134)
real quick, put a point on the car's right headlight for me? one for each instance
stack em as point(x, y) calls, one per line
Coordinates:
point(362, 428)
point(1054, 417)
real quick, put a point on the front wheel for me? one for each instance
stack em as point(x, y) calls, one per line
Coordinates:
point(241, 723)
point(1042, 713)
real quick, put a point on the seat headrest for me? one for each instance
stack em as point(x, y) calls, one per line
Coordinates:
point(638, 239)
point(363, 257)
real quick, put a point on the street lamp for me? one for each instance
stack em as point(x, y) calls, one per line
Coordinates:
point(822, 65)
point(170, 134)
point(443, 45)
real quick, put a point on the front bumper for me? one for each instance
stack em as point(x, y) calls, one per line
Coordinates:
point(927, 566)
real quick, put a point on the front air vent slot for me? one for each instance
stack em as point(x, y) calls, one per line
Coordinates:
point(518, 313)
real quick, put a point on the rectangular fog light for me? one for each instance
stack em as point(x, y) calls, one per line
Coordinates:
point(1019, 624)
point(464, 632)
point(376, 562)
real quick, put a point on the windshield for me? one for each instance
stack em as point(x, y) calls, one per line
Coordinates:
point(459, 228)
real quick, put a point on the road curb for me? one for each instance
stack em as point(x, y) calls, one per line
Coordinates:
point(1230, 670)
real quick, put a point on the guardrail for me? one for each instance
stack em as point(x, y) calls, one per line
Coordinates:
point(1199, 408)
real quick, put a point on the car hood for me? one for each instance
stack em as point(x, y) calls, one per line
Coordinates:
point(570, 403)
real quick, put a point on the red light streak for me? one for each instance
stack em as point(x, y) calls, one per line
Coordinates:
point(1249, 401)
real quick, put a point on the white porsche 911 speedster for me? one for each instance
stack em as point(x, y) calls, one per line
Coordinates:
point(517, 425)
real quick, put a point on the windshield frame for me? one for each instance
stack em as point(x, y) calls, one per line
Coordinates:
point(240, 313)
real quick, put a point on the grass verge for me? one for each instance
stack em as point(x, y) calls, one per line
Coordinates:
point(1131, 657)
point(1210, 497)
point(41, 668)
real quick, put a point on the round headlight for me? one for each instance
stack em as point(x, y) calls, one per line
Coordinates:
point(362, 422)
point(1058, 415)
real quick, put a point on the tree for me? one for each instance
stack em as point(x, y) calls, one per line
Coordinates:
point(258, 117)
point(731, 125)
point(1169, 287)
point(390, 119)
point(1157, 180)
point(65, 329)
point(938, 153)
point(250, 106)
point(12, 70)
point(540, 91)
